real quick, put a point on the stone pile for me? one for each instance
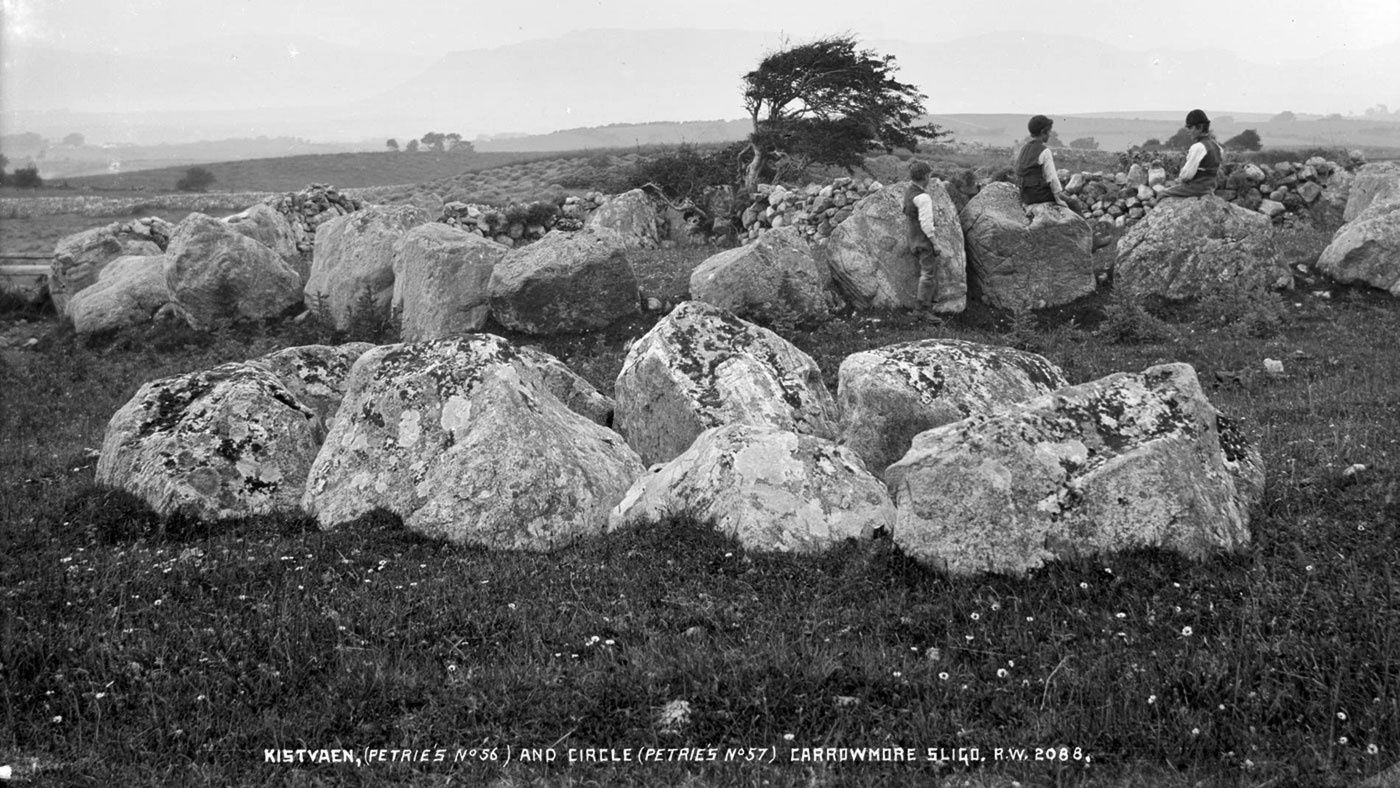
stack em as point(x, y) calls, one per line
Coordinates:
point(814, 208)
point(311, 207)
point(579, 207)
point(496, 224)
point(1285, 192)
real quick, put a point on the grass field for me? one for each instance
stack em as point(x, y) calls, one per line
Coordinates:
point(138, 650)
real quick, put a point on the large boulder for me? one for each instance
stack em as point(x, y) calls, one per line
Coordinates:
point(872, 263)
point(316, 375)
point(1375, 182)
point(1020, 262)
point(775, 277)
point(1367, 249)
point(217, 274)
point(224, 442)
point(464, 441)
point(442, 279)
point(890, 394)
point(1127, 461)
point(352, 267)
point(701, 367)
point(769, 488)
point(80, 257)
point(128, 292)
point(632, 215)
point(1188, 248)
point(565, 282)
point(275, 231)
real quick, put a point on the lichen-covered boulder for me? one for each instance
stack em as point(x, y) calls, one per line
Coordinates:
point(871, 261)
point(701, 367)
point(1367, 248)
point(890, 394)
point(128, 292)
point(1373, 183)
point(1189, 248)
point(217, 274)
point(632, 215)
point(352, 267)
point(225, 442)
point(316, 375)
point(1020, 262)
point(442, 277)
point(275, 231)
point(464, 441)
point(775, 277)
point(1130, 460)
point(771, 489)
point(565, 282)
point(80, 257)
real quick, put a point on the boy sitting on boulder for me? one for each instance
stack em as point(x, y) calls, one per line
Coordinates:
point(1203, 160)
point(1036, 173)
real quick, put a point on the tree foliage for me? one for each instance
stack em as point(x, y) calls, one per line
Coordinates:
point(195, 179)
point(1084, 143)
point(434, 140)
point(1183, 138)
point(74, 140)
point(25, 178)
point(829, 102)
point(684, 174)
point(1245, 140)
point(392, 144)
point(412, 146)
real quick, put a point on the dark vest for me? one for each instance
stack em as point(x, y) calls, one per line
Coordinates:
point(1209, 167)
point(1034, 187)
point(917, 239)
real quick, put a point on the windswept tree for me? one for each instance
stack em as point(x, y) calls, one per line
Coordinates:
point(392, 144)
point(828, 102)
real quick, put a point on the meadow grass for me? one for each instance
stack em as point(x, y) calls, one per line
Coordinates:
point(143, 650)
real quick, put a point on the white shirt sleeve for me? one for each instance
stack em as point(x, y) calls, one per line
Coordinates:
point(1048, 169)
point(1194, 156)
point(925, 205)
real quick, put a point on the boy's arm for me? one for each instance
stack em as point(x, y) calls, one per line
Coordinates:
point(1193, 160)
point(1052, 175)
point(925, 205)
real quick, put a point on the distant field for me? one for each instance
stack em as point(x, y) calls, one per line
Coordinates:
point(1378, 139)
point(290, 173)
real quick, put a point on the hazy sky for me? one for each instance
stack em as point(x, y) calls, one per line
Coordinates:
point(1258, 30)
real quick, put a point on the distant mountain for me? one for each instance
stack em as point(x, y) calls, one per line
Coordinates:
point(598, 77)
point(266, 72)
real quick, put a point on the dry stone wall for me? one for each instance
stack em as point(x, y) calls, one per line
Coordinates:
point(310, 208)
point(1288, 193)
